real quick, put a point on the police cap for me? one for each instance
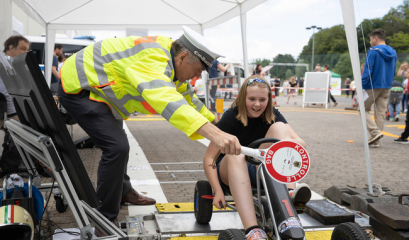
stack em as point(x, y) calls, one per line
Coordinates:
point(200, 47)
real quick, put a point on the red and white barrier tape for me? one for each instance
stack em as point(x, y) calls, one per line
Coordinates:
point(223, 80)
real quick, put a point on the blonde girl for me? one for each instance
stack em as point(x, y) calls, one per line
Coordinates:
point(293, 91)
point(250, 117)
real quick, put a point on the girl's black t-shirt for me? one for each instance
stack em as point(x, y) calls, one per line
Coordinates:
point(256, 128)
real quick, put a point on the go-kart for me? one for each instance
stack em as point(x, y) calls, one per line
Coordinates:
point(283, 162)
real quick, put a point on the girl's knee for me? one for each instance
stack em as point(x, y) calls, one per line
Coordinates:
point(236, 160)
point(278, 130)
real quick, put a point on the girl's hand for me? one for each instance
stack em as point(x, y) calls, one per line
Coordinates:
point(219, 198)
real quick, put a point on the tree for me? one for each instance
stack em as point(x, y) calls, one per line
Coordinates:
point(280, 71)
point(363, 31)
point(344, 67)
point(400, 42)
point(300, 70)
point(288, 74)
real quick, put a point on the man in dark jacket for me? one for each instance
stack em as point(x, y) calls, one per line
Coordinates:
point(377, 79)
point(403, 139)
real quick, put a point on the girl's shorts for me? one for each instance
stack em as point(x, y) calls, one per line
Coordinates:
point(252, 170)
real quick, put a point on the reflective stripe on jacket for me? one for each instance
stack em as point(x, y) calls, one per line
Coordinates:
point(134, 74)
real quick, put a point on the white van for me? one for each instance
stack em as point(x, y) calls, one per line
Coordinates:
point(70, 46)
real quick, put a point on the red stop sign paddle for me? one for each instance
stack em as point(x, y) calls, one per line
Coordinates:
point(285, 161)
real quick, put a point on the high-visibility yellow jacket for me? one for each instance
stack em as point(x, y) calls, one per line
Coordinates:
point(135, 74)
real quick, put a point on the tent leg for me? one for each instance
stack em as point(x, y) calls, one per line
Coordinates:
point(348, 13)
point(49, 51)
point(243, 21)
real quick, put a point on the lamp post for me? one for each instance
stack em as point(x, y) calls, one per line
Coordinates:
point(313, 28)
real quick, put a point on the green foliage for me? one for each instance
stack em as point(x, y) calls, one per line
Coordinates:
point(300, 70)
point(343, 66)
point(331, 46)
point(288, 74)
point(281, 71)
point(400, 42)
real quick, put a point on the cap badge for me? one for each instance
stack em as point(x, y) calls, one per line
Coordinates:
point(202, 58)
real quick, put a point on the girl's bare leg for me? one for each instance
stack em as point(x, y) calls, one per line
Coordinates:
point(234, 173)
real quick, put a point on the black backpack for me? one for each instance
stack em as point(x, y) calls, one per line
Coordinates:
point(10, 158)
point(12, 162)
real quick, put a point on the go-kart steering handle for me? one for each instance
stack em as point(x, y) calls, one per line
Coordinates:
point(256, 156)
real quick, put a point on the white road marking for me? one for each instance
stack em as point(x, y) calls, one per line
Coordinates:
point(144, 182)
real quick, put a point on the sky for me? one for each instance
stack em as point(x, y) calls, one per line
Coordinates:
point(278, 26)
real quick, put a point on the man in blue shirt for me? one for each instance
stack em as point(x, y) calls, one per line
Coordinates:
point(377, 79)
point(213, 73)
point(55, 77)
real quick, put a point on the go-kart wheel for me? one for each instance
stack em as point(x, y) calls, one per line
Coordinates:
point(231, 234)
point(59, 204)
point(203, 207)
point(349, 231)
point(257, 144)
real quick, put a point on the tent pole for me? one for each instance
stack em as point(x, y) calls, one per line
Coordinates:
point(352, 38)
point(6, 21)
point(49, 51)
point(243, 20)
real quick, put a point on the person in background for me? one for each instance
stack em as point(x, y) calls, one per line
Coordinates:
point(404, 72)
point(395, 98)
point(13, 46)
point(277, 86)
point(213, 73)
point(61, 60)
point(200, 89)
point(300, 85)
point(326, 68)
point(258, 70)
point(55, 76)
point(347, 86)
point(377, 78)
point(193, 81)
point(229, 86)
point(403, 139)
point(318, 68)
point(353, 87)
point(286, 85)
point(406, 92)
point(293, 90)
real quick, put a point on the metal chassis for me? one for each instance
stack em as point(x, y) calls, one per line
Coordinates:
point(257, 201)
point(31, 143)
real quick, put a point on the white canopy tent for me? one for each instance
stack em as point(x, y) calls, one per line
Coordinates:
point(152, 15)
point(162, 15)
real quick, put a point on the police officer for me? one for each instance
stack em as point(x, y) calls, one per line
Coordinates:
point(105, 82)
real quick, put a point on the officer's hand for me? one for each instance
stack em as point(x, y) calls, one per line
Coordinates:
point(228, 144)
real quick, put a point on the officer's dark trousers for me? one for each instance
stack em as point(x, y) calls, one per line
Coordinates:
point(107, 133)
